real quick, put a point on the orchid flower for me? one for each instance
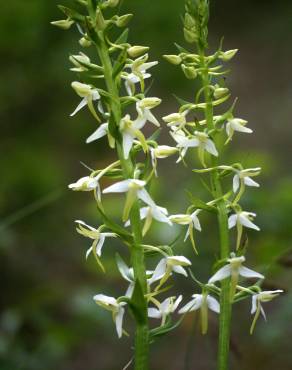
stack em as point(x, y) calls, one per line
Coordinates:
point(134, 189)
point(257, 299)
point(164, 309)
point(234, 269)
point(88, 95)
point(150, 212)
point(87, 183)
point(201, 141)
point(239, 220)
point(138, 73)
point(144, 107)
point(192, 221)
point(180, 137)
point(168, 265)
point(176, 120)
point(202, 302)
point(244, 177)
point(117, 309)
point(236, 124)
point(96, 235)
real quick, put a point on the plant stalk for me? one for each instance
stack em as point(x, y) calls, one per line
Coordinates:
point(137, 253)
point(225, 304)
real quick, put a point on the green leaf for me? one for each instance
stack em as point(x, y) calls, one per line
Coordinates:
point(182, 101)
point(155, 135)
point(181, 49)
point(119, 64)
point(198, 203)
point(123, 37)
point(72, 14)
point(164, 329)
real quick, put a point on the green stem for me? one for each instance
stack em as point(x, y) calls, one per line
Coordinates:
point(225, 304)
point(137, 253)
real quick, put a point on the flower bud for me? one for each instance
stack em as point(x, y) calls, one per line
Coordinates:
point(149, 103)
point(189, 72)
point(65, 24)
point(123, 20)
point(112, 3)
point(173, 59)
point(163, 151)
point(189, 22)
point(219, 92)
point(136, 51)
point(81, 89)
point(228, 55)
point(190, 36)
point(84, 42)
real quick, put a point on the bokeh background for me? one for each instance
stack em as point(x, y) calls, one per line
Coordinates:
point(47, 317)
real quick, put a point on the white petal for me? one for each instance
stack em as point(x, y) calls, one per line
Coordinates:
point(245, 221)
point(151, 118)
point(211, 148)
point(213, 304)
point(130, 290)
point(254, 303)
point(221, 274)
point(236, 183)
point(193, 305)
point(100, 132)
point(176, 303)
point(128, 140)
point(159, 215)
point(88, 252)
point(119, 187)
point(241, 128)
point(189, 143)
point(196, 221)
point(144, 195)
point(263, 313)
point(250, 182)
point(84, 224)
point(232, 221)
point(179, 270)
point(99, 245)
point(159, 271)
point(119, 321)
point(246, 272)
point(154, 313)
point(79, 106)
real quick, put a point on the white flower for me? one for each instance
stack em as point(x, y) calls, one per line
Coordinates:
point(168, 306)
point(176, 119)
point(191, 220)
point(87, 183)
point(161, 151)
point(130, 130)
point(202, 302)
point(88, 95)
point(134, 189)
point(234, 269)
point(236, 124)
point(117, 309)
point(94, 234)
point(242, 218)
point(168, 265)
point(144, 107)
point(180, 137)
point(201, 141)
point(257, 299)
point(150, 212)
point(138, 73)
point(244, 176)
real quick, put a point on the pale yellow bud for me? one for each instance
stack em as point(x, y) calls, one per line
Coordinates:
point(136, 51)
point(220, 92)
point(173, 59)
point(228, 55)
point(65, 24)
point(190, 72)
point(85, 42)
point(123, 20)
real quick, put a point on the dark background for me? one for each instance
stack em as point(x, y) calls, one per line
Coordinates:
point(47, 317)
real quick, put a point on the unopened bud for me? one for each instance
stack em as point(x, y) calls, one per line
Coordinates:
point(173, 59)
point(228, 55)
point(136, 51)
point(84, 42)
point(219, 92)
point(163, 151)
point(189, 72)
point(123, 20)
point(149, 103)
point(112, 3)
point(65, 24)
point(190, 35)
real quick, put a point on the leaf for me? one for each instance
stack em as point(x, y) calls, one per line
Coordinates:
point(182, 101)
point(155, 135)
point(123, 37)
point(181, 49)
point(164, 329)
point(198, 203)
point(72, 14)
point(119, 64)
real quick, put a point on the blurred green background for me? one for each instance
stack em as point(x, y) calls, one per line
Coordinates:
point(47, 317)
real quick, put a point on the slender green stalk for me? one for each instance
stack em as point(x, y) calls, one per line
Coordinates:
point(137, 253)
point(225, 304)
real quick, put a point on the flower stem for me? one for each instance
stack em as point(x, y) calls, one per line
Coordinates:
point(137, 253)
point(225, 304)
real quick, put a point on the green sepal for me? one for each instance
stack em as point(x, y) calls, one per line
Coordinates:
point(198, 203)
point(72, 14)
point(138, 304)
point(164, 329)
